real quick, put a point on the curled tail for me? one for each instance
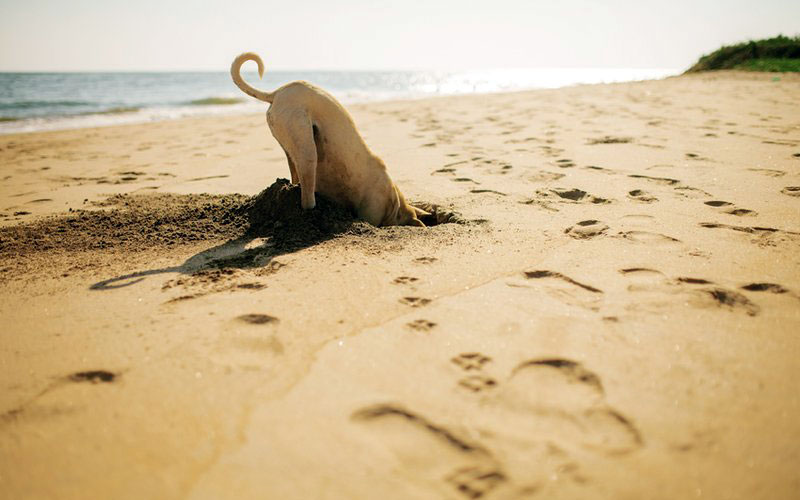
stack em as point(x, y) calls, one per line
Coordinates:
point(236, 66)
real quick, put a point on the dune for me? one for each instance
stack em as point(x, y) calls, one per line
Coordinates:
point(605, 304)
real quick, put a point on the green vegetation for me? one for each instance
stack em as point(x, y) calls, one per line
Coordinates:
point(781, 54)
point(8, 119)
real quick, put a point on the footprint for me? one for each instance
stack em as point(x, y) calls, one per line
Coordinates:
point(415, 301)
point(93, 376)
point(733, 300)
point(666, 181)
point(578, 195)
point(741, 212)
point(568, 400)
point(570, 371)
point(477, 383)
point(600, 169)
point(544, 176)
point(765, 287)
point(768, 171)
point(470, 361)
point(257, 319)
point(89, 376)
point(208, 177)
point(475, 482)
point(565, 163)
point(425, 260)
point(791, 190)
point(559, 276)
point(460, 464)
point(586, 229)
point(694, 281)
point(641, 196)
point(404, 280)
point(609, 140)
point(421, 325)
point(718, 203)
point(643, 279)
point(648, 237)
point(492, 191)
point(446, 436)
point(544, 198)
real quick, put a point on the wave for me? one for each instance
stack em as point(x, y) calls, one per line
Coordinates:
point(115, 111)
point(215, 101)
point(8, 119)
point(43, 104)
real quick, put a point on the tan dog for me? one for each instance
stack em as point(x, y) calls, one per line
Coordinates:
point(326, 154)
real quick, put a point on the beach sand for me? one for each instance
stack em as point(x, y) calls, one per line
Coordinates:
point(615, 313)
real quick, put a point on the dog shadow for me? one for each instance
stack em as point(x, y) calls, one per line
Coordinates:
point(245, 252)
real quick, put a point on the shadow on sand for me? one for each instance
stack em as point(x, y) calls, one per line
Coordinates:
point(277, 226)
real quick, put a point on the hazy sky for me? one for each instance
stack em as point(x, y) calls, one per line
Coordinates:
point(81, 35)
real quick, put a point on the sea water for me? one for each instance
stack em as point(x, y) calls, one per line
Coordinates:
point(49, 101)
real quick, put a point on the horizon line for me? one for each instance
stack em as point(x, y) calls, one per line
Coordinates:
point(342, 70)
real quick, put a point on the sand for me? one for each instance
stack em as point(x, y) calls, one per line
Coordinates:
point(609, 308)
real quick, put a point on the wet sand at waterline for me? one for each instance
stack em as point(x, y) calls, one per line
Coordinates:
point(605, 305)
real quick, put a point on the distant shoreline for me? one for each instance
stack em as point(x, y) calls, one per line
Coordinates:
point(59, 101)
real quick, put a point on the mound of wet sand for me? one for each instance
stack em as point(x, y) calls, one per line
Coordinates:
point(130, 222)
point(139, 222)
point(276, 213)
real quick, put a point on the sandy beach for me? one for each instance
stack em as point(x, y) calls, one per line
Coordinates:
point(612, 312)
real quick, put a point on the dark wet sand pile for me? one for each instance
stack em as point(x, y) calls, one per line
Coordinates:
point(132, 222)
point(138, 222)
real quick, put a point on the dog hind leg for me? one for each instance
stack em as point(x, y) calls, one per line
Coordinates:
point(296, 137)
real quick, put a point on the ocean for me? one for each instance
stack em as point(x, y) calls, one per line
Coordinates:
point(51, 101)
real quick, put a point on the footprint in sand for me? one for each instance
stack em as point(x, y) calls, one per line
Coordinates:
point(739, 212)
point(641, 196)
point(791, 190)
point(93, 377)
point(460, 465)
point(489, 191)
point(648, 238)
point(764, 287)
point(81, 377)
point(586, 229)
point(550, 404)
point(257, 319)
point(471, 361)
point(425, 260)
point(421, 325)
point(405, 280)
point(568, 400)
point(475, 482)
point(544, 176)
point(609, 140)
point(768, 171)
point(477, 383)
point(415, 301)
point(701, 293)
point(664, 181)
point(561, 287)
point(565, 163)
point(546, 198)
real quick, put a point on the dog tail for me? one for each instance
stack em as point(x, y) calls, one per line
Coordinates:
point(236, 66)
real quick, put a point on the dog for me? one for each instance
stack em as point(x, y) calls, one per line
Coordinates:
point(326, 154)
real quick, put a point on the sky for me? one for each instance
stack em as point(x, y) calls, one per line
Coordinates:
point(167, 35)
